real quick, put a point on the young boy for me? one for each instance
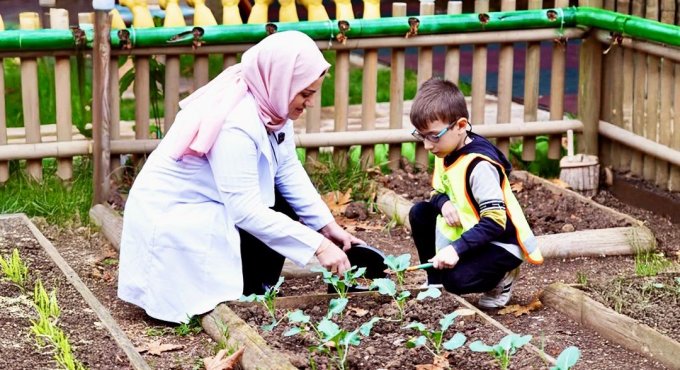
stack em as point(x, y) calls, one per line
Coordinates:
point(472, 229)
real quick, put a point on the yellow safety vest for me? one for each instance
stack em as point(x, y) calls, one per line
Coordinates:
point(453, 180)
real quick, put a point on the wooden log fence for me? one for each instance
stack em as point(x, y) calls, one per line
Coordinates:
point(638, 98)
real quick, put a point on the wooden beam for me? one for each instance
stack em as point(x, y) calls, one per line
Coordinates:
point(620, 329)
point(109, 221)
point(223, 325)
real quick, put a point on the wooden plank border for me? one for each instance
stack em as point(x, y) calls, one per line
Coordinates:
point(621, 329)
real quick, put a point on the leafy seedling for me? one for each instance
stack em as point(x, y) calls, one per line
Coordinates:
point(398, 266)
point(341, 285)
point(504, 350)
point(567, 359)
point(46, 304)
point(435, 337)
point(330, 336)
point(388, 287)
point(268, 300)
point(191, 327)
point(15, 269)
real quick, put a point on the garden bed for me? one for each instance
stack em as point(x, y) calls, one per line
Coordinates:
point(95, 261)
point(91, 343)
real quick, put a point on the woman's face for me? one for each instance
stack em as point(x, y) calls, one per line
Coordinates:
point(304, 99)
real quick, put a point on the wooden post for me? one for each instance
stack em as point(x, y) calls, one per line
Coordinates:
point(29, 97)
point(62, 78)
point(4, 165)
point(639, 87)
point(608, 72)
point(424, 73)
point(369, 91)
point(559, 55)
point(665, 125)
point(114, 108)
point(479, 60)
point(452, 62)
point(313, 123)
point(652, 106)
point(674, 180)
point(229, 60)
point(627, 71)
point(142, 97)
point(341, 102)
point(171, 94)
point(398, 69)
point(101, 115)
point(531, 76)
point(590, 72)
point(505, 72)
point(201, 70)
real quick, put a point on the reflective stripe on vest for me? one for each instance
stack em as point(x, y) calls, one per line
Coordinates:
point(444, 181)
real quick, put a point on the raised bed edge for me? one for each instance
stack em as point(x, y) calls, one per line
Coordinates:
point(621, 329)
point(102, 313)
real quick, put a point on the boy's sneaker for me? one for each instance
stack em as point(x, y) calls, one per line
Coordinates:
point(500, 295)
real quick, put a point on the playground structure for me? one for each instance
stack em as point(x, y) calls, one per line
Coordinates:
point(629, 83)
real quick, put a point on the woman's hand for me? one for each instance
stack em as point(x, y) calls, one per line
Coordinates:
point(450, 214)
point(340, 236)
point(332, 258)
point(446, 258)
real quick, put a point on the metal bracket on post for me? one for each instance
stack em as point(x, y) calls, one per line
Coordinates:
point(124, 37)
point(79, 37)
point(343, 27)
point(413, 23)
point(271, 28)
point(196, 34)
point(615, 39)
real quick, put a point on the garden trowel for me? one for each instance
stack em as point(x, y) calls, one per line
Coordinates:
point(362, 255)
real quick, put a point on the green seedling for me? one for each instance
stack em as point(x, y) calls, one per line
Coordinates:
point(435, 337)
point(64, 353)
point(504, 350)
point(46, 303)
point(268, 300)
point(187, 328)
point(341, 284)
point(567, 359)
point(388, 287)
point(329, 336)
point(15, 269)
point(398, 266)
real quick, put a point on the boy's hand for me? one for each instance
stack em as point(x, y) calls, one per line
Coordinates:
point(446, 258)
point(450, 214)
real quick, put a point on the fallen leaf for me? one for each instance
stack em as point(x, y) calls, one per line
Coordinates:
point(517, 187)
point(156, 348)
point(438, 363)
point(360, 312)
point(560, 183)
point(520, 310)
point(220, 363)
point(337, 201)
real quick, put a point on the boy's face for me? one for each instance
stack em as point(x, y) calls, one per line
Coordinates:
point(442, 138)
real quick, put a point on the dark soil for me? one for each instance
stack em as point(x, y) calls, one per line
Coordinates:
point(385, 347)
point(95, 261)
point(89, 339)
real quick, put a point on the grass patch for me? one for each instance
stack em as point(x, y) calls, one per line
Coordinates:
point(648, 263)
point(58, 202)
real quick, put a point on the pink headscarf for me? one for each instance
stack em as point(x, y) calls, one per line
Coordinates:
point(274, 71)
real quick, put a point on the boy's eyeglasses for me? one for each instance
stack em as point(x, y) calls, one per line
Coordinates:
point(433, 138)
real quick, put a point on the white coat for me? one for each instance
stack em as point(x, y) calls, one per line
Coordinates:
point(180, 249)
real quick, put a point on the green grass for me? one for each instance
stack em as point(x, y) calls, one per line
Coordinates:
point(649, 263)
point(57, 202)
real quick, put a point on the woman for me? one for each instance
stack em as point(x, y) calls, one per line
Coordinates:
point(214, 211)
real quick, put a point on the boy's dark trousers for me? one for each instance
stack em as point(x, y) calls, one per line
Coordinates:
point(262, 265)
point(478, 270)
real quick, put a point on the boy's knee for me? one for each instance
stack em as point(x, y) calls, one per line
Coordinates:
point(422, 212)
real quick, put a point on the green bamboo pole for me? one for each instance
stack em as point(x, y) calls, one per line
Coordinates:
point(632, 26)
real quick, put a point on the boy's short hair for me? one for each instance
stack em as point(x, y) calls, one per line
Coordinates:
point(437, 99)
